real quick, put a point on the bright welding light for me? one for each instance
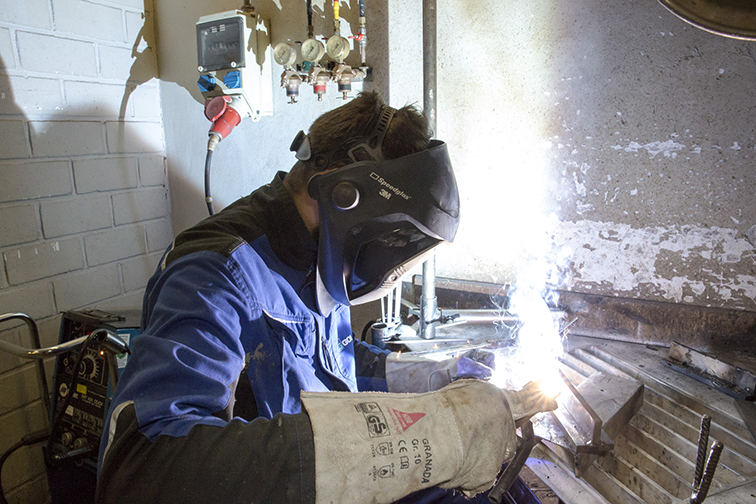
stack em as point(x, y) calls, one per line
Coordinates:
point(552, 384)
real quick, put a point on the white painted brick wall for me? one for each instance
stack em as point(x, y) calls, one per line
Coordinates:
point(43, 260)
point(32, 96)
point(159, 235)
point(78, 290)
point(6, 49)
point(81, 142)
point(66, 138)
point(94, 99)
point(75, 215)
point(105, 174)
point(135, 206)
point(115, 244)
point(34, 299)
point(18, 224)
point(152, 171)
point(29, 13)
point(31, 180)
point(56, 55)
point(13, 143)
point(137, 271)
point(134, 136)
point(88, 20)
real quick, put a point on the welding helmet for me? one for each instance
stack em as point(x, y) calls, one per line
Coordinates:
point(379, 218)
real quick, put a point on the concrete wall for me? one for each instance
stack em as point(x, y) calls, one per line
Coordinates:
point(83, 198)
point(603, 147)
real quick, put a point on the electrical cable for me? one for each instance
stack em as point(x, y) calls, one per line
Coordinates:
point(29, 439)
point(208, 197)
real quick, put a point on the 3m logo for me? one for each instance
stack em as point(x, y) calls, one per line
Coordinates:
point(402, 420)
point(374, 418)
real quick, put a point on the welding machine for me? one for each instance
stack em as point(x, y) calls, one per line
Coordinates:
point(82, 390)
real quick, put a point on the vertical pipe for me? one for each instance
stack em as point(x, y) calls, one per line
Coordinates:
point(428, 301)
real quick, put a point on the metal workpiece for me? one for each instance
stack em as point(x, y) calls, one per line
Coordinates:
point(589, 417)
point(654, 455)
point(709, 369)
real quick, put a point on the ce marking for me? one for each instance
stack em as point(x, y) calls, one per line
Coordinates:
point(402, 446)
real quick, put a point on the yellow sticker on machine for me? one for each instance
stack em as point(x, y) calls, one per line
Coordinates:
point(81, 389)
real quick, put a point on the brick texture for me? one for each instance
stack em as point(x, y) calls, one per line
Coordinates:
point(105, 174)
point(78, 290)
point(152, 171)
point(88, 20)
point(137, 271)
point(7, 59)
point(18, 224)
point(81, 140)
point(13, 143)
point(30, 95)
point(45, 53)
point(159, 235)
point(134, 137)
point(115, 244)
point(75, 215)
point(66, 138)
point(43, 260)
point(30, 180)
point(34, 299)
point(137, 206)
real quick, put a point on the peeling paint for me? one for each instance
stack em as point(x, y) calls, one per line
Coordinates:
point(668, 148)
point(630, 260)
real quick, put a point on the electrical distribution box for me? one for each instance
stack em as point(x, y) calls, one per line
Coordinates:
point(234, 60)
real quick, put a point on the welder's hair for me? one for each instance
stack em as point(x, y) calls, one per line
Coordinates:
point(407, 133)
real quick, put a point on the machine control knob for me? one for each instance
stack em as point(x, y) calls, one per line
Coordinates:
point(345, 195)
point(80, 443)
point(66, 438)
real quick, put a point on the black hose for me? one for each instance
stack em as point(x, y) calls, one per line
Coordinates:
point(30, 439)
point(208, 198)
point(362, 8)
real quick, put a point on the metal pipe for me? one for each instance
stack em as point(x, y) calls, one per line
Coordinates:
point(34, 335)
point(429, 302)
point(362, 35)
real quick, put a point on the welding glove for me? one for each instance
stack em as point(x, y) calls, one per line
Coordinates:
point(528, 401)
point(373, 447)
point(408, 373)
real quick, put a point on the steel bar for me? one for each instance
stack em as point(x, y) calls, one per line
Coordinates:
point(14, 350)
point(429, 302)
point(703, 444)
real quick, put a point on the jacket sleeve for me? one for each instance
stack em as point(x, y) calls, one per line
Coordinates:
point(170, 436)
point(370, 365)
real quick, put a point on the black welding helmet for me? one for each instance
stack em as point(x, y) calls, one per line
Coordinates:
point(378, 219)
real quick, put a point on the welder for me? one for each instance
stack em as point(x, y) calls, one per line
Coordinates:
point(247, 385)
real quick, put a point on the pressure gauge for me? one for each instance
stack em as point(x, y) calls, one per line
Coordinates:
point(312, 50)
point(285, 54)
point(337, 48)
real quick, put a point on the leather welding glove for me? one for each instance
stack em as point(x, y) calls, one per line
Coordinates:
point(408, 373)
point(373, 447)
point(528, 401)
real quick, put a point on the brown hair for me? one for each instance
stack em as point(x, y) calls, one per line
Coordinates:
point(407, 133)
